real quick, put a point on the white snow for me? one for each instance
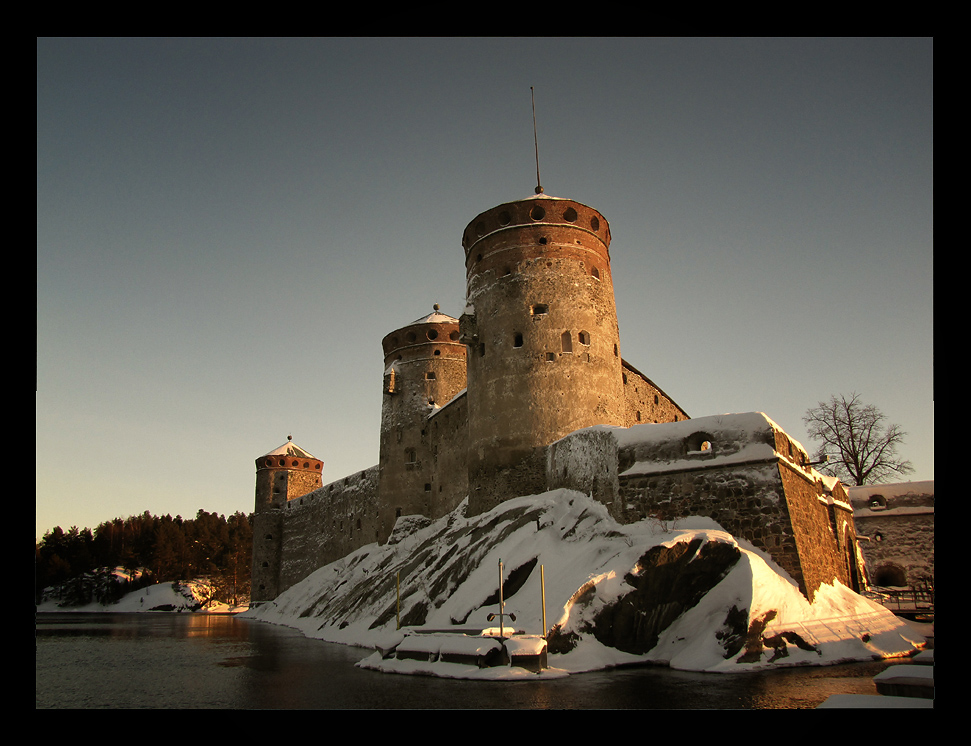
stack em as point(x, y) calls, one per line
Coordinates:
point(157, 597)
point(585, 556)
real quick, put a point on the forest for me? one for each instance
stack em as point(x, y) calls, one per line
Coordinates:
point(77, 566)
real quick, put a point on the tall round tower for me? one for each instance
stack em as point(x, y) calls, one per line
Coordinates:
point(283, 474)
point(424, 368)
point(544, 345)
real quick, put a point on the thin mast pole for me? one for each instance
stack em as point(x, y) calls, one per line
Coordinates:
point(539, 188)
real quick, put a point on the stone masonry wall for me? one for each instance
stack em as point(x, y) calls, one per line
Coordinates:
point(900, 550)
point(747, 501)
point(823, 529)
point(448, 438)
point(897, 521)
point(327, 524)
point(645, 402)
point(742, 471)
point(586, 461)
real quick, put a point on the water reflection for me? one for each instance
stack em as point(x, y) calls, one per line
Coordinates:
point(212, 661)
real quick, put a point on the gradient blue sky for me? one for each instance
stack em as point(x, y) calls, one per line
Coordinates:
point(226, 228)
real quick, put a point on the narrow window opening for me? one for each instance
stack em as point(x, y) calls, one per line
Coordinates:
point(566, 342)
point(482, 349)
point(584, 338)
point(517, 340)
point(539, 309)
point(430, 375)
point(550, 357)
point(595, 273)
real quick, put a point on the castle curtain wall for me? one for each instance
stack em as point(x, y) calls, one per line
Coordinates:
point(327, 524)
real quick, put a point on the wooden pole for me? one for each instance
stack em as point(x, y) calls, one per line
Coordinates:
point(542, 586)
point(501, 638)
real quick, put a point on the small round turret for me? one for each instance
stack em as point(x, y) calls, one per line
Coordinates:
point(283, 474)
point(424, 368)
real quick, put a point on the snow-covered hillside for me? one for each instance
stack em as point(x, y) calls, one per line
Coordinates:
point(749, 614)
point(191, 596)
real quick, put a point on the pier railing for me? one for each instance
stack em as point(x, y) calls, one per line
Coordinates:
point(916, 600)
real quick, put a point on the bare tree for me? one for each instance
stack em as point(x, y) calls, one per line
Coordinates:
point(861, 447)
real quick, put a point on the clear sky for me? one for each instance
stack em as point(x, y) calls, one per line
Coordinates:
point(226, 229)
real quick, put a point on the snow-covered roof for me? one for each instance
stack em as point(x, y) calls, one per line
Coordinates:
point(290, 449)
point(892, 489)
point(435, 317)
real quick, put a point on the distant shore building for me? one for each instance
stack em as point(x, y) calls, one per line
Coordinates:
point(896, 525)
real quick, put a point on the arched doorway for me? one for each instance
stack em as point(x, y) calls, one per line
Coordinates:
point(890, 574)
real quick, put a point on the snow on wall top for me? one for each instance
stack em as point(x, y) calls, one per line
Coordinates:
point(717, 439)
point(893, 489)
point(893, 499)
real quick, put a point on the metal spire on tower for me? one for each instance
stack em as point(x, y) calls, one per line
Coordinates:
point(539, 188)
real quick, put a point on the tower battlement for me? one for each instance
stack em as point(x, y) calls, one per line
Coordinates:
point(499, 239)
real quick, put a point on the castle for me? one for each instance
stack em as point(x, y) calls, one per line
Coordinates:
point(526, 392)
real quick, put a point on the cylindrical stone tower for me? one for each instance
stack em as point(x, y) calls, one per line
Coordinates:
point(544, 346)
point(283, 474)
point(424, 368)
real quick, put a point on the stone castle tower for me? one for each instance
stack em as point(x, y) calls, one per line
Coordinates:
point(424, 368)
point(502, 402)
point(543, 339)
point(283, 474)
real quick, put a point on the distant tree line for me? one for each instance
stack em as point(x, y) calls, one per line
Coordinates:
point(150, 549)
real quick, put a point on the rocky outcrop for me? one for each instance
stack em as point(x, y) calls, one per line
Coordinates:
point(666, 582)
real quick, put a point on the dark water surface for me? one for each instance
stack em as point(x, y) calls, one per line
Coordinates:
point(219, 661)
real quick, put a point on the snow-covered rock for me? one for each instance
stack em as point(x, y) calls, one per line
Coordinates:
point(750, 615)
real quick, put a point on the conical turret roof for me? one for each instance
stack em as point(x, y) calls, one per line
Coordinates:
point(435, 317)
point(291, 449)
